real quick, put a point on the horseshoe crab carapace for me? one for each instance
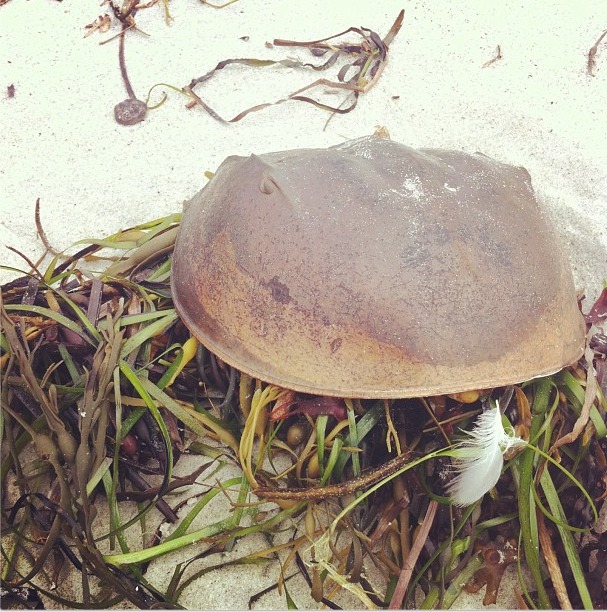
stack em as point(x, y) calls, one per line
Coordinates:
point(371, 269)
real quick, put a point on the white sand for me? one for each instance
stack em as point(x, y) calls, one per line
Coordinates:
point(537, 107)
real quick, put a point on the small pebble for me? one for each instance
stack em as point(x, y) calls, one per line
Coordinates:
point(130, 111)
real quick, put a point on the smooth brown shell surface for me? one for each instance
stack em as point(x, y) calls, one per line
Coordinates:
point(372, 269)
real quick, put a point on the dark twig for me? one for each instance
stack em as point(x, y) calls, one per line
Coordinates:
point(337, 490)
point(125, 77)
point(29, 262)
point(141, 484)
point(41, 232)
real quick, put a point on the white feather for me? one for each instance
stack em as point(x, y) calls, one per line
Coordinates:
point(480, 458)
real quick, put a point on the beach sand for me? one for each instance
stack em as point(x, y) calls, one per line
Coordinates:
point(535, 107)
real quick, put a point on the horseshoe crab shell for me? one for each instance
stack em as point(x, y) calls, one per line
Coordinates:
point(374, 270)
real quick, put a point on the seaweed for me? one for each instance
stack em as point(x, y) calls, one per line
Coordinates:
point(361, 63)
point(104, 390)
point(365, 59)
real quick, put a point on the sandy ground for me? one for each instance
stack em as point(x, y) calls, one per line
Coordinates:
point(536, 107)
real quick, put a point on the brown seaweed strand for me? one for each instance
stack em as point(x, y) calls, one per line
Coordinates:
point(339, 489)
point(125, 77)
